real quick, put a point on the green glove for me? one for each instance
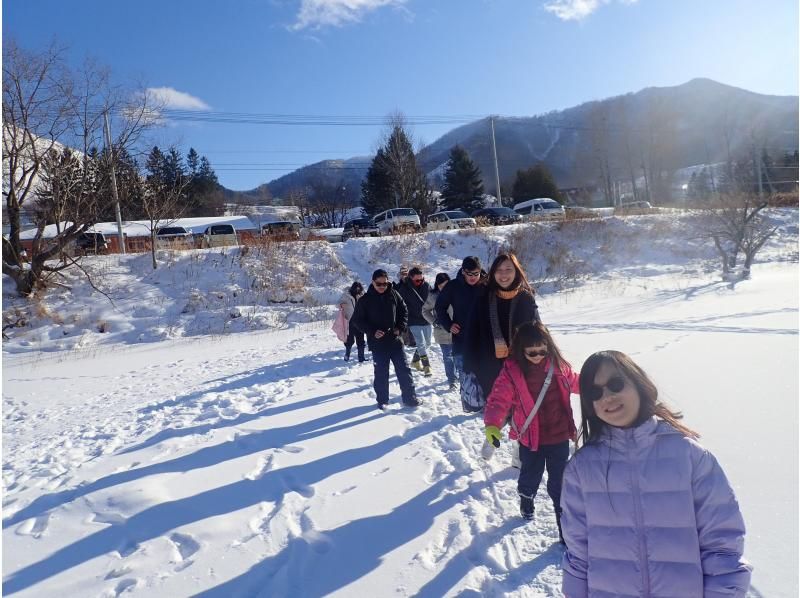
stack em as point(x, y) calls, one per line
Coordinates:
point(493, 435)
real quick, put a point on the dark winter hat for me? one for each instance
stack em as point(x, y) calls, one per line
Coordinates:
point(471, 262)
point(440, 278)
point(379, 273)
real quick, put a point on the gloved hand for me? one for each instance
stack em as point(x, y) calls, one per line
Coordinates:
point(493, 435)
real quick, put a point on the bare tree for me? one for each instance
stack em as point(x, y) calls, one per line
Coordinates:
point(47, 107)
point(736, 224)
point(329, 203)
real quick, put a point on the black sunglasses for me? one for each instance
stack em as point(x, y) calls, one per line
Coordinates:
point(472, 274)
point(536, 353)
point(614, 384)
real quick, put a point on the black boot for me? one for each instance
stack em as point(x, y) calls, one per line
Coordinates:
point(347, 352)
point(558, 523)
point(526, 507)
point(361, 357)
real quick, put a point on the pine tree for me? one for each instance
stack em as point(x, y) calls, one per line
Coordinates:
point(376, 188)
point(463, 187)
point(192, 161)
point(535, 182)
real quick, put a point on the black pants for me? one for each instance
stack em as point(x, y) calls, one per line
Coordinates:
point(533, 463)
point(354, 336)
point(380, 361)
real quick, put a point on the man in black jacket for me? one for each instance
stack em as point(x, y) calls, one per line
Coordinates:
point(382, 315)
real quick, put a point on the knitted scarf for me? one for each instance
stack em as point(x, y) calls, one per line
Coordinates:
point(500, 345)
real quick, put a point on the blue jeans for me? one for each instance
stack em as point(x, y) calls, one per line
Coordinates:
point(422, 336)
point(458, 362)
point(449, 363)
point(380, 361)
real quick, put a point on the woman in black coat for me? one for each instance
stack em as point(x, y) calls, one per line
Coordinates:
point(507, 303)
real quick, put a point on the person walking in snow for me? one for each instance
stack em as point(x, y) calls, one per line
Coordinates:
point(507, 303)
point(647, 511)
point(415, 290)
point(348, 302)
point(382, 315)
point(454, 306)
point(441, 335)
point(533, 388)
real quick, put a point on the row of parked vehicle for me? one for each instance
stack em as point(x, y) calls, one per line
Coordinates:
point(399, 219)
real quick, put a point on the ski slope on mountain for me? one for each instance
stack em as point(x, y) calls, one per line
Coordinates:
point(256, 463)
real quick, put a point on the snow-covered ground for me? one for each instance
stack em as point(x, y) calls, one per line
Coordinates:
point(166, 457)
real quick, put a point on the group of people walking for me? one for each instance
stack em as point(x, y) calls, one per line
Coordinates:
point(642, 508)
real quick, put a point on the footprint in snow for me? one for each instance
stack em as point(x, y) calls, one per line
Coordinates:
point(185, 545)
point(125, 585)
point(345, 491)
point(117, 573)
point(34, 527)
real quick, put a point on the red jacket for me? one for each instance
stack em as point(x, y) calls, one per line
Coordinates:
point(510, 393)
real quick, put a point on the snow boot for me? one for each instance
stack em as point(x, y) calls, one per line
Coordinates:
point(426, 366)
point(347, 352)
point(415, 362)
point(526, 507)
point(361, 357)
point(558, 523)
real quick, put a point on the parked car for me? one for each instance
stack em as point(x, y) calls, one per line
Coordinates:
point(174, 237)
point(284, 230)
point(359, 227)
point(496, 216)
point(541, 207)
point(220, 235)
point(91, 244)
point(449, 219)
point(635, 207)
point(396, 220)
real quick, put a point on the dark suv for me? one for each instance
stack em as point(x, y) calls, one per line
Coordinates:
point(285, 230)
point(91, 243)
point(495, 216)
point(359, 227)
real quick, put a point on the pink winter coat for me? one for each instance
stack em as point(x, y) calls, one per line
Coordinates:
point(510, 393)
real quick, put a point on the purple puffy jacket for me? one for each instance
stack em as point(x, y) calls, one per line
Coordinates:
point(649, 512)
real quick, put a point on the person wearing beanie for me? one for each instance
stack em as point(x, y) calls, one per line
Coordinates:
point(382, 315)
point(454, 306)
point(415, 290)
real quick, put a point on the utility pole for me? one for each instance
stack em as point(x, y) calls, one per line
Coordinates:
point(114, 184)
point(496, 171)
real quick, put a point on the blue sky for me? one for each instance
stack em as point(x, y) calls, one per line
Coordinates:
point(462, 59)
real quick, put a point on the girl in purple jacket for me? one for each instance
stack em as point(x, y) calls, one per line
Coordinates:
point(533, 387)
point(647, 511)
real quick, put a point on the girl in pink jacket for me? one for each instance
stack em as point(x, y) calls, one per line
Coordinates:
point(533, 387)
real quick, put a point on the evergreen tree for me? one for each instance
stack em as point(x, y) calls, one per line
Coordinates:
point(535, 182)
point(463, 187)
point(376, 188)
point(192, 161)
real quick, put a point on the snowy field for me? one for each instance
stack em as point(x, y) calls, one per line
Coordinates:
point(167, 456)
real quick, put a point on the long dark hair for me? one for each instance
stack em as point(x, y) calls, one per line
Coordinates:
point(530, 334)
point(519, 278)
point(592, 427)
point(356, 289)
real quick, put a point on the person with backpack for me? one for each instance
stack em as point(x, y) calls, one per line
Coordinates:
point(414, 290)
point(647, 511)
point(507, 303)
point(442, 336)
point(347, 302)
point(533, 391)
point(382, 315)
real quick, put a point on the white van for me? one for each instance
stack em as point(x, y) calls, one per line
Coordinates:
point(220, 235)
point(397, 219)
point(541, 207)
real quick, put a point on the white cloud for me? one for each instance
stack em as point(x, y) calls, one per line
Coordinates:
point(575, 10)
point(168, 97)
point(316, 14)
